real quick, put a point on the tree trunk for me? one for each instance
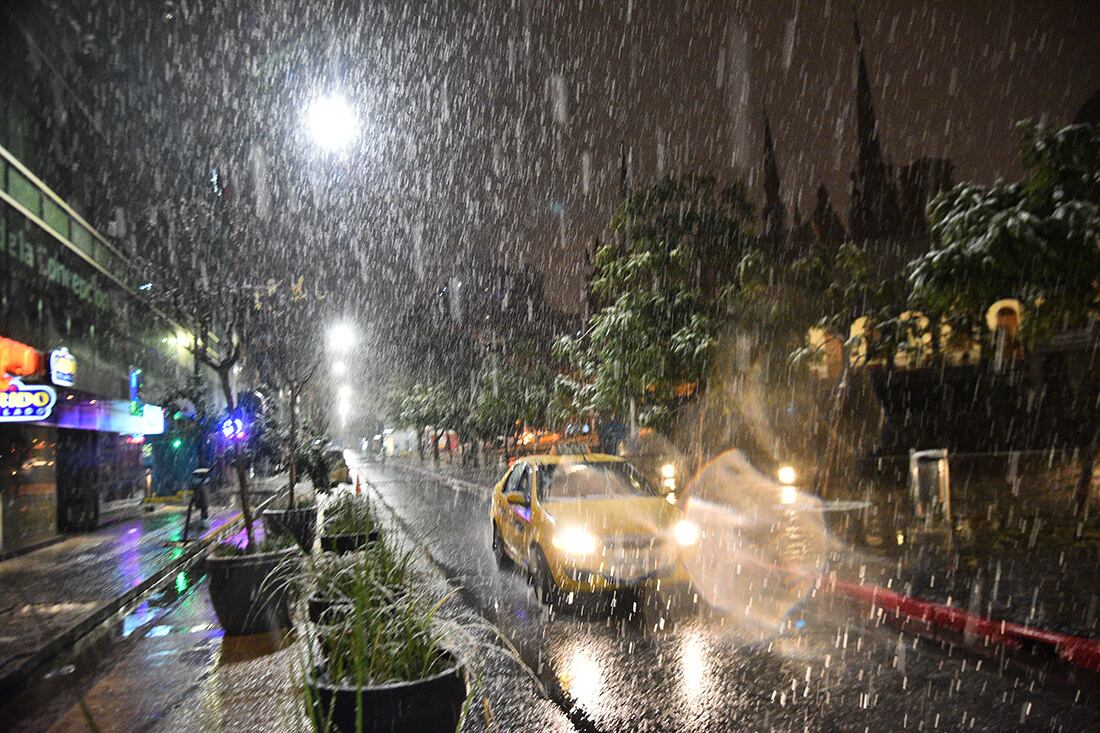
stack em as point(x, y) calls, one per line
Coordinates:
point(292, 439)
point(238, 460)
point(1084, 477)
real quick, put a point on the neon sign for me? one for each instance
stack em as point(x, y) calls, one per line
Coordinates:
point(62, 367)
point(137, 407)
point(233, 428)
point(26, 403)
point(17, 359)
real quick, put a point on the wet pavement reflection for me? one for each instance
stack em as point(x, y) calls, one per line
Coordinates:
point(774, 652)
point(170, 667)
point(783, 656)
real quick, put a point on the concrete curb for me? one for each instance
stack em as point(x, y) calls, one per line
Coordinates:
point(22, 673)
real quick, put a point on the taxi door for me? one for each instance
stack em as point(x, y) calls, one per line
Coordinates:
point(515, 519)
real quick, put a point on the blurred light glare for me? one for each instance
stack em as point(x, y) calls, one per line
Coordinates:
point(787, 474)
point(343, 392)
point(668, 471)
point(582, 676)
point(575, 541)
point(686, 532)
point(341, 337)
point(332, 123)
point(339, 368)
point(788, 495)
point(694, 664)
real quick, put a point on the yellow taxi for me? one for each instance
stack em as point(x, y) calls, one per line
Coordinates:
point(587, 523)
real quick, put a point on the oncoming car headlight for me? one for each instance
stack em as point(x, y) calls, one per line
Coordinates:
point(686, 532)
point(787, 475)
point(575, 541)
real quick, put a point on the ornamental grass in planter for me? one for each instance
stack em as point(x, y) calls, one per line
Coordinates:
point(330, 582)
point(381, 659)
point(348, 522)
point(249, 586)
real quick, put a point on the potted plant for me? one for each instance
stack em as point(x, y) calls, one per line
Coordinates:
point(347, 522)
point(382, 662)
point(249, 577)
point(329, 581)
point(298, 520)
point(249, 584)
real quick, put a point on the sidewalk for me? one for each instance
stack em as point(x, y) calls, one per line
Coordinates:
point(181, 673)
point(52, 597)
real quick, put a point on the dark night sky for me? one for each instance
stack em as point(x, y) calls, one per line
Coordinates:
point(950, 79)
point(492, 127)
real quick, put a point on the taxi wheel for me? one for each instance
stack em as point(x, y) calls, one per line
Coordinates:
point(546, 590)
point(498, 548)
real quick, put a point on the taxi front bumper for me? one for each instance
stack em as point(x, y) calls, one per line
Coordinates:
point(574, 575)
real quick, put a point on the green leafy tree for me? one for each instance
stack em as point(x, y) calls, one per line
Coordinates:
point(505, 396)
point(662, 284)
point(1037, 240)
point(421, 405)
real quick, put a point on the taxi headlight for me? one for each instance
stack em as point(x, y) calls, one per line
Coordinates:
point(686, 532)
point(575, 541)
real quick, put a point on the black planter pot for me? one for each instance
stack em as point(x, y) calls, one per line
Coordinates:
point(344, 543)
point(425, 706)
point(250, 592)
point(300, 523)
point(323, 610)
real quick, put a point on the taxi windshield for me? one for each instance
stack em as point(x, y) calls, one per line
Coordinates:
point(592, 481)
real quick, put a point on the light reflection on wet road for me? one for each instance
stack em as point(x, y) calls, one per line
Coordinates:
point(680, 669)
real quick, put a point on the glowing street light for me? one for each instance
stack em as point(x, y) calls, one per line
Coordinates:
point(341, 337)
point(343, 392)
point(339, 368)
point(332, 123)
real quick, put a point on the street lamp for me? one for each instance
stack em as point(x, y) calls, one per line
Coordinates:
point(341, 337)
point(332, 123)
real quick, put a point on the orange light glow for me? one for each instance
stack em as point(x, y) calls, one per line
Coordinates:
point(18, 359)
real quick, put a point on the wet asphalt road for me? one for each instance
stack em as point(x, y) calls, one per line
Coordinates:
point(834, 667)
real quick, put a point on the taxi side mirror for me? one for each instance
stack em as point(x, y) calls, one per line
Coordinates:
point(517, 498)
